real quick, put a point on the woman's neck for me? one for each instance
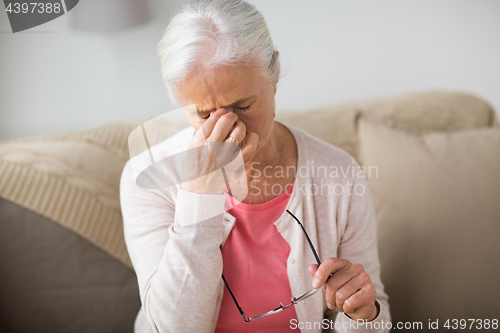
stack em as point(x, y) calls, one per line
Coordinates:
point(273, 167)
point(271, 154)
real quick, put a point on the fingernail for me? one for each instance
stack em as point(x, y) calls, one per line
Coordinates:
point(330, 306)
point(316, 283)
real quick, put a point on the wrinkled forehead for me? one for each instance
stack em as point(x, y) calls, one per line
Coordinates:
point(221, 86)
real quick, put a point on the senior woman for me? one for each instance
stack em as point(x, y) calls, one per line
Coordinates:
point(206, 265)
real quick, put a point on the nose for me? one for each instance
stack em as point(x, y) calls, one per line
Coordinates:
point(225, 109)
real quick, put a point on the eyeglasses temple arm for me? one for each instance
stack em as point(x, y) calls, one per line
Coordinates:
point(307, 237)
point(234, 299)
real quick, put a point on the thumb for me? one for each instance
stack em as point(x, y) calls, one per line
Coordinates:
point(313, 268)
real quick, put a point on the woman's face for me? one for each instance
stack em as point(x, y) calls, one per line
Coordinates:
point(242, 90)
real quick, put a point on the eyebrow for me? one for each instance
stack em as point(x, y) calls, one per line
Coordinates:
point(243, 100)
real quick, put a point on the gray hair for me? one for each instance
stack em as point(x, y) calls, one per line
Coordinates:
point(217, 32)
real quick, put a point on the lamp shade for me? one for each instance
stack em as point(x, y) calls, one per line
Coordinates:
point(110, 15)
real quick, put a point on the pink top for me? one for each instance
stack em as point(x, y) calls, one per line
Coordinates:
point(255, 267)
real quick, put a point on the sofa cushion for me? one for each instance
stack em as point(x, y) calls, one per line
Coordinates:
point(436, 197)
point(53, 280)
point(416, 112)
point(73, 182)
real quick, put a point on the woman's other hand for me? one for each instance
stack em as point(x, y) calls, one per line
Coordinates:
point(347, 286)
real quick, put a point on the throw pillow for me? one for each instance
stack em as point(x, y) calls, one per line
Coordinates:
point(437, 201)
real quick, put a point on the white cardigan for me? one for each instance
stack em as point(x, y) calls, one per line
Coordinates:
point(179, 264)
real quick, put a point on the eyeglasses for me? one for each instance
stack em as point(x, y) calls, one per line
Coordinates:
point(295, 300)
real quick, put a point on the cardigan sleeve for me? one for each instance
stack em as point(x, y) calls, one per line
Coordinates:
point(174, 248)
point(358, 244)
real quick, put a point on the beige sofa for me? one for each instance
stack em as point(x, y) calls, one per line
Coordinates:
point(434, 159)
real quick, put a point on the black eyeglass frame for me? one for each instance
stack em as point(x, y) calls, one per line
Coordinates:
point(295, 300)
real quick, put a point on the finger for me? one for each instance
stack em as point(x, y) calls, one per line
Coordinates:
point(313, 268)
point(223, 126)
point(238, 133)
point(355, 283)
point(338, 281)
point(361, 304)
point(208, 126)
point(249, 149)
point(327, 267)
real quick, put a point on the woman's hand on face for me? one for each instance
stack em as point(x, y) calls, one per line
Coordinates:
point(223, 124)
point(347, 286)
point(198, 167)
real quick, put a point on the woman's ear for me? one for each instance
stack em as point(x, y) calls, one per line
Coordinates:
point(276, 83)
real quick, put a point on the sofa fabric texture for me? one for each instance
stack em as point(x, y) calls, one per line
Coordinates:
point(53, 280)
point(72, 179)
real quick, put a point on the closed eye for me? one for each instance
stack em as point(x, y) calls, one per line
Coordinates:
point(237, 107)
point(244, 108)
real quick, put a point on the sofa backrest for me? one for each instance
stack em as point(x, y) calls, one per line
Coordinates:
point(417, 113)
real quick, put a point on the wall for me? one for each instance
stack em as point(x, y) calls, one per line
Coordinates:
point(53, 78)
